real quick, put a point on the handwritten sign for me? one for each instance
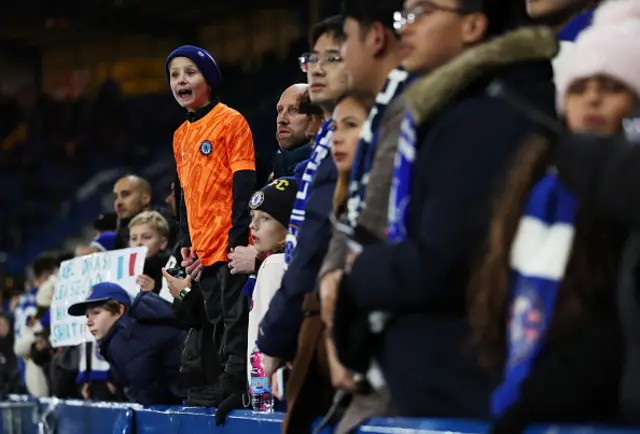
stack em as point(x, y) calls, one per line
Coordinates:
point(77, 276)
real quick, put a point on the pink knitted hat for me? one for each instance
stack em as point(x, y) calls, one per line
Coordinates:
point(611, 46)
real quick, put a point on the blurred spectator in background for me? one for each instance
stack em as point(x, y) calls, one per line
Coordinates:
point(25, 325)
point(132, 195)
point(216, 165)
point(33, 344)
point(10, 381)
point(151, 230)
point(107, 222)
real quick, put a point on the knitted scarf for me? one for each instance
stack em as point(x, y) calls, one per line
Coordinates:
point(539, 256)
point(400, 192)
point(93, 367)
point(320, 151)
point(363, 160)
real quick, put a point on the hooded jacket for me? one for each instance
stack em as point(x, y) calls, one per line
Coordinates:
point(143, 349)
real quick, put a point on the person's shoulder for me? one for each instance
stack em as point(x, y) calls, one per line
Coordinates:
point(180, 129)
point(275, 259)
point(230, 113)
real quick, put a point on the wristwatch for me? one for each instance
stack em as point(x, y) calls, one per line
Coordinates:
point(183, 293)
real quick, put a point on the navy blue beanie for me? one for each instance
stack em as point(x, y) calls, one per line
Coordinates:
point(203, 60)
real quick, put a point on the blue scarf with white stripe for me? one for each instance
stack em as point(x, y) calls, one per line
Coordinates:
point(400, 193)
point(363, 160)
point(92, 367)
point(320, 151)
point(539, 255)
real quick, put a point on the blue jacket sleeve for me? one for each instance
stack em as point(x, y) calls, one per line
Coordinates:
point(463, 156)
point(278, 332)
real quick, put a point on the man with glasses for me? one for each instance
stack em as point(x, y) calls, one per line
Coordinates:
point(309, 228)
point(455, 145)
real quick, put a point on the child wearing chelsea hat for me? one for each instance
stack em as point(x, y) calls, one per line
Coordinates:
point(270, 211)
point(215, 160)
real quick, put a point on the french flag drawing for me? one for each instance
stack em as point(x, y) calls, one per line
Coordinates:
point(131, 265)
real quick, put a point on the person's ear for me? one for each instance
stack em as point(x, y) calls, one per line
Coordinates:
point(164, 243)
point(474, 28)
point(146, 199)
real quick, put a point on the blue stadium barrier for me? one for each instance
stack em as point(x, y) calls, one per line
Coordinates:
point(23, 415)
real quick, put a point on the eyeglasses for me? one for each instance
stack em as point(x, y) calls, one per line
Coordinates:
point(410, 16)
point(308, 59)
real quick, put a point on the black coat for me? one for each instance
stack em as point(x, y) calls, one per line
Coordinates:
point(465, 142)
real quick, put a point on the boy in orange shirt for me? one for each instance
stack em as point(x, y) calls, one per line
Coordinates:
point(216, 168)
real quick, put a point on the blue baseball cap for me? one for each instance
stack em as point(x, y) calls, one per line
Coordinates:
point(100, 293)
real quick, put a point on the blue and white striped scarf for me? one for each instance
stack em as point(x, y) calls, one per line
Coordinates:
point(539, 256)
point(321, 150)
point(363, 160)
point(97, 370)
point(400, 192)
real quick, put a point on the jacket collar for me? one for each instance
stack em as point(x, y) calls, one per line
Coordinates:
point(430, 93)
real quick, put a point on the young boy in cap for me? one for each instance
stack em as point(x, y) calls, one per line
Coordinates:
point(216, 168)
point(137, 339)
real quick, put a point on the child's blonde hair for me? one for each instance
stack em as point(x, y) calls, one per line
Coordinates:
point(158, 222)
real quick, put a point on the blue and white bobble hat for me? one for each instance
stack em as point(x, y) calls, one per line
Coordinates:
point(203, 60)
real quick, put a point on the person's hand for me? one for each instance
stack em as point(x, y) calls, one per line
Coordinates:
point(191, 263)
point(176, 285)
point(351, 258)
point(111, 387)
point(41, 343)
point(271, 365)
point(341, 378)
point(145, 282)
point(86, 391)
point(238, 400)
point(328, 289)
point(243, 260)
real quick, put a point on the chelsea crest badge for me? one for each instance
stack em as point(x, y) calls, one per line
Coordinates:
point(206, 148)
point(256, 200)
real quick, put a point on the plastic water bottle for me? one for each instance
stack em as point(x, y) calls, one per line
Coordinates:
point(260, 389)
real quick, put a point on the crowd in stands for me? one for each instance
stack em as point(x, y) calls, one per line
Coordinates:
point(445, 227)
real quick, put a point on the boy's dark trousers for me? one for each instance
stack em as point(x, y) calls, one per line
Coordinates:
point(228, 312)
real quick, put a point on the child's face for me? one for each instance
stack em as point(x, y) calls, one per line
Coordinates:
point(100, 321)
point(188, 85)
point(598, 105)
point(266, 232)
point(348, 117)
point(145, 234)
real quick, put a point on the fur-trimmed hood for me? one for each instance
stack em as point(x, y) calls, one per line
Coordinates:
point(430, 93)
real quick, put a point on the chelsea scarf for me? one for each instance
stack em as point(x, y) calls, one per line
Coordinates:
point(400, 192)
point(539, 255)
point(365, 153)
point(93, 367)
point(320, 151)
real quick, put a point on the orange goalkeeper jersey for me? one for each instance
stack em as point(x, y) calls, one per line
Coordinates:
point(208, 152)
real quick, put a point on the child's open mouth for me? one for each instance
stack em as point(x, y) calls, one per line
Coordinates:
point(184, 93)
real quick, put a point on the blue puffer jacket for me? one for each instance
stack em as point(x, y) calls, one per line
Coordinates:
point(143, 348)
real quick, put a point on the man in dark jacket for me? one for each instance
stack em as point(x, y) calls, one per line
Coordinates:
point(291, 133)
point(457, 143)
point(278, 333)
point(138, 339)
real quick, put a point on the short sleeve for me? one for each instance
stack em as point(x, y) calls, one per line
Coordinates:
point(240, 144)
